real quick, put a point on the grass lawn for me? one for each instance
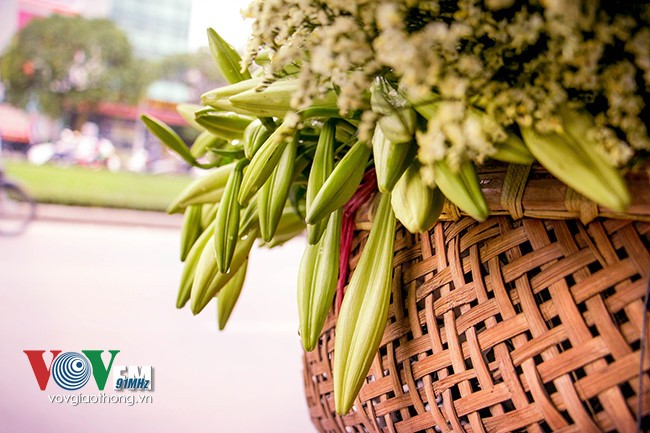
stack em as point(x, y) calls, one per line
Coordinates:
point(90, 187)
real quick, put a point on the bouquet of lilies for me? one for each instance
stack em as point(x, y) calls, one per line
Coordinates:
point(335, 100)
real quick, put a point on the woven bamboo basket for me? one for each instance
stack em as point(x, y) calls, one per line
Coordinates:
point(530, 321)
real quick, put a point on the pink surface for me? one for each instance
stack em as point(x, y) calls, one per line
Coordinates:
point(75, 287)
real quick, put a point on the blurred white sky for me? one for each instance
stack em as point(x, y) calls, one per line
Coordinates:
point(222, 15)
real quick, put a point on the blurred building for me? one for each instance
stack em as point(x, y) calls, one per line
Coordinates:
point(8, 21)
point(156, 28)
point(15, 14)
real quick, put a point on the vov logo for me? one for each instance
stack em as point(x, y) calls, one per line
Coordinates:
point(72, 370)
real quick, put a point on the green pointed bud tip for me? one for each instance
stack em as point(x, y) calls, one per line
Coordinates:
point(227, 219)
point(275, 191)
point(218, 98)
point(228, 296)
point(364, 312)
point(391, 159)
point(254, 136)
point(263, 162)
point(317, 281)
point(227, 59)
point(340, 184)
point(416, 205)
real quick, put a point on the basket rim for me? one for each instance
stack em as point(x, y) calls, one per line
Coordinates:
point(522, 191)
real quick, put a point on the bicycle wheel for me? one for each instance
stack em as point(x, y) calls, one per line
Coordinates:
point(17, 209)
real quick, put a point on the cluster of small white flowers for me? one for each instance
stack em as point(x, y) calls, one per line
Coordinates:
point(519, 62)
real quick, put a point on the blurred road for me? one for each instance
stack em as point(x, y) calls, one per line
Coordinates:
point(76, 287)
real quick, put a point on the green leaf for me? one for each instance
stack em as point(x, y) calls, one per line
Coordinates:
point(168, 137)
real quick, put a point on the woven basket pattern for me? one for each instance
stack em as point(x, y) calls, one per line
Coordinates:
point(530, 191)
point(506, 325)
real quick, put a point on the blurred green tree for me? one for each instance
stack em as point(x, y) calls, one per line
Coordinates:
point(68, 65)
point(198, 70)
